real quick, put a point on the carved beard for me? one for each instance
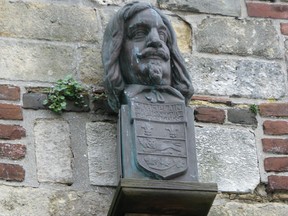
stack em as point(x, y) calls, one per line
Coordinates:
point(153, 73)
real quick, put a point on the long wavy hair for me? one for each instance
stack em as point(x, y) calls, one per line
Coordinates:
point(111, 49)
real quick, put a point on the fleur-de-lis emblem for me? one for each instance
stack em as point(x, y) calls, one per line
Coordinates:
point(147, 129)
point(172, 131)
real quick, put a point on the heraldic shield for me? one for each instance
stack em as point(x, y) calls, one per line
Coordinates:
point(160, 138)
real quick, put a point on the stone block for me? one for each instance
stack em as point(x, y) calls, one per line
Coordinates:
point(229, 208)
point(90, 65)
point(12, 151)
point(35, 61)
point(12, 132)
point(53, 151)
point(56, 22)
point(12, 172)
point(27, 201)
point(223, 7)
point(228, 157)
point(238, 37)
point(183, 32)
point(242, 116)
point(102, 159)
point(64, 203)
point(10, 112)
point(240, 78)
point(120, 2)
point(9, 92)
point(275, 146)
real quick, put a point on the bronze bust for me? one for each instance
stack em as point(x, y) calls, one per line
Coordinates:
point(146, 79)
point(140, 47)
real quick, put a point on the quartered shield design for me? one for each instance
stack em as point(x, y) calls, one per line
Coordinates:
point(160, 138)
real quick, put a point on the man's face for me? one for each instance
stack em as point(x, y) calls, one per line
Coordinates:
point(145, 57)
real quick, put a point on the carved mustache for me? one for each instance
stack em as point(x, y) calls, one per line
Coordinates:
point(153, 52)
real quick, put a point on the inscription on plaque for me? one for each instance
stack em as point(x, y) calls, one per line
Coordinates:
point(159, 112)
point(160, 134)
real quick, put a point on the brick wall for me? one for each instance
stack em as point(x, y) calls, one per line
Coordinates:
point(11, 171)
point(236, 53)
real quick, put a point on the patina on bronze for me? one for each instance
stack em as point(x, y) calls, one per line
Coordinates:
point(145, 73)
point(147, 81)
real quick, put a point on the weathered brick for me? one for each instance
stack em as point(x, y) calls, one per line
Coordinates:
point(224, 7)
point(56, 22)
point(212, 99)
point(22, 60)
point(274, 109)
point(235, 37)
point(12, 172)
point(276, 146)
point(276, 183)
point(275, 127)
point(284, 28)
point(11, 132)
point(34, 100)
point(266, 10)
point(11, 112)
point(211, 115)
point(242, 116)
point(12, 151)
point(276, 164)
point(9, 92)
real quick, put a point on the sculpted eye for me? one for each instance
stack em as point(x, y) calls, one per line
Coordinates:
point(163, 35)
point(139, 33)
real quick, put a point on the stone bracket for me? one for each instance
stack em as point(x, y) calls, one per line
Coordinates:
point(160, 197)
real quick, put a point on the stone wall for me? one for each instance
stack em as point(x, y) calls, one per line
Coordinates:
point(236, 53)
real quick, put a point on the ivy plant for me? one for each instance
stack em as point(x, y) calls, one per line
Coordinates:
point(254, 108)
point(63, 90)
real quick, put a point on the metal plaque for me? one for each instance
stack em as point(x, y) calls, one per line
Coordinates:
point(160, 138)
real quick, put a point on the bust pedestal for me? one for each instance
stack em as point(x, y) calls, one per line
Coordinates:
point(161, 197)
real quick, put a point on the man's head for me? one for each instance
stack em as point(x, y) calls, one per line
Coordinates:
point(140, 47)
point(145, 57)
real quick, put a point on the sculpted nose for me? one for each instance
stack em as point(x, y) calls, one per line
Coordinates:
point(154, 39)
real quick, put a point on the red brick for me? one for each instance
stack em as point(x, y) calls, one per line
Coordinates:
point(11, 112)
point(267, 10)
point(275, 127)
point(274, 109)
point(276, 164)
point(212, 99)
point(209, 114)
point(11, 132)
point(12, 151)
point(12, 172)
point(8, 92)
point(284, 28)
point(276, 183)
point(276, 146)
